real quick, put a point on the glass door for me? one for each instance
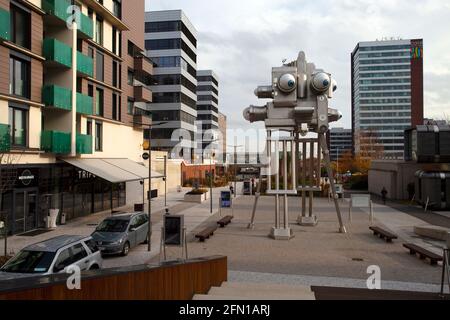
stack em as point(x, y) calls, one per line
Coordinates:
point(25, 211)
point(19, 212)
point(30, 211)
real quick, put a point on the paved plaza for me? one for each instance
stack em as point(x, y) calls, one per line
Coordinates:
point(320, 255)
point(315, 256)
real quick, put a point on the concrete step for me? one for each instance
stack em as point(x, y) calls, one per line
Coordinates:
point(259, 294)
point(273, 287)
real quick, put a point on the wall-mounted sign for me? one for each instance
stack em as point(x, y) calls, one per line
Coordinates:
point(416, 49)
point(26, 177)
point(145, 156)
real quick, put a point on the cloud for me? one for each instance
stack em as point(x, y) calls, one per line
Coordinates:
point(243, 40)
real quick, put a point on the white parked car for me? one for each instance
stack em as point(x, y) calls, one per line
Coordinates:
point(53, 256)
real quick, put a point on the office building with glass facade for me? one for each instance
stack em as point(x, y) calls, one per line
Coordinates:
point(340, 141)
point(208, 134)
point(387, 95)
point(171, 43)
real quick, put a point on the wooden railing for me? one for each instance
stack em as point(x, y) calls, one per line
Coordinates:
point(171, 281)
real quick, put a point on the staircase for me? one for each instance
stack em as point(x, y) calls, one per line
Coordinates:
point(257, 291)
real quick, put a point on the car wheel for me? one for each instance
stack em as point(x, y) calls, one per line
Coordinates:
point(126, 249)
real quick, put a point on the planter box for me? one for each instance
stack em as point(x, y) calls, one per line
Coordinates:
point(197, 198)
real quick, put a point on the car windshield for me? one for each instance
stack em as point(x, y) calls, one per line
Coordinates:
point(29, 262)
point(113, 225)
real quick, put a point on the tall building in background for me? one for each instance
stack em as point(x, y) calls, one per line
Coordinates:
point(207, 112)
point(69, 106)
point(340, 141)
point(387, 95)
point(171, 42)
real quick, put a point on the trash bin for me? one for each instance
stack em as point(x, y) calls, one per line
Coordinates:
point(63, 218)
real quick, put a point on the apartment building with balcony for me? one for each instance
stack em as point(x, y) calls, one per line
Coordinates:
point(73, 100)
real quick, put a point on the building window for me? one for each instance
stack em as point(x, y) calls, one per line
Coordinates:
point(18, 122)
point(91, 52)
point(19, 77)
point(99, 102)
point(130, 77)
point(115, 74)
point(90, 90)
point(116, 109)
point(98, 136)
point(99, 67)
point(114, 40)
point(89, 128)
point(130, 106)
point(99, 31)
point(20, 27)
point(117, 8)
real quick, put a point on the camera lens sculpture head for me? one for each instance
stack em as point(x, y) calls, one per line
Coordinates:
point(300, 95)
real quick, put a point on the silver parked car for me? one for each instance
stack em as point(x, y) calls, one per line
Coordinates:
point(53, 256)
point(120, 233)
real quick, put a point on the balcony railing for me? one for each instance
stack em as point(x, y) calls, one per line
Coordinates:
point(142, 94)
point(86, 27)
point(5, 29)
point(57, 97)
point(144, 65)
point(57, 8)
point(141, 118)
point(5, 138)
point(85, 65)
point(56, 142)
point(57, 52)
point(84, 144)
point(84, 104)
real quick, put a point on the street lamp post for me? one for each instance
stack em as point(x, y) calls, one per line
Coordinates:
point(149, 234)
point(211, 183)
point(235, 166)
point(337, 164)
point(165, 179)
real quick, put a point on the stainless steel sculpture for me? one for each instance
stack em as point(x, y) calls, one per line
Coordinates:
point(300, 94)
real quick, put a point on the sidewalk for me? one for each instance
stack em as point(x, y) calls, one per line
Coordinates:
point(195, 214)
point(403, 225)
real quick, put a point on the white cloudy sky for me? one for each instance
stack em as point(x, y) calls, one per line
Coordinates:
point(242, 39)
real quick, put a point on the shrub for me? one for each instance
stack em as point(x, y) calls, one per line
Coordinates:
point(197, 192)
point(358, 182)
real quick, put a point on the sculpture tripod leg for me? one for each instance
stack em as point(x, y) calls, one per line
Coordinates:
point(251, 225)
point(326, 157)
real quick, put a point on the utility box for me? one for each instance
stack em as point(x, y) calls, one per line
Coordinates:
point(433, 188)
point(428, 144)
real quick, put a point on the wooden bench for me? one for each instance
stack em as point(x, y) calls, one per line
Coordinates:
point(423, 253)
point(225, 221)
point(383, 234)
point(206, 233)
